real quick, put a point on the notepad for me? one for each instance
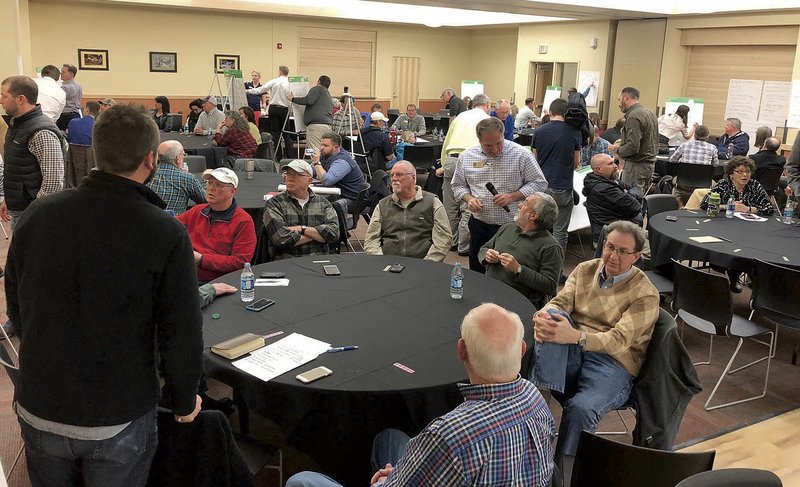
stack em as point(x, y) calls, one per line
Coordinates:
point(238, 346)
point(705, 239)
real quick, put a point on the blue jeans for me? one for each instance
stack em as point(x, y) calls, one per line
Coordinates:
point(123, 460)
point(564, 201)
point(388, 447)
point(587, 384)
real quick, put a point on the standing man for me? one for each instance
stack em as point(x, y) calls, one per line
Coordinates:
point(318, 114)
point(278, 110)
point(454, 104)
point(410, 121)
point(503, 113)
point(334, 167)
point(512, 171)
point(254, 101)
point(557, 147)
point(210, 118)
point(174, 185)
point(51, 97)
point(84, 287)
point(733, 142)
point(74, 94)
point(460, 137)
point(79, 137)
point(526, 117)
point(639, 144)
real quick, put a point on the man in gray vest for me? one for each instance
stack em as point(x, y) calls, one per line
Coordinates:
point(409, 222)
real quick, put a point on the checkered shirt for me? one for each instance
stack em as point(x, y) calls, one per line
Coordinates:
point(176, 187)
point(283, 211)
point(695, 152)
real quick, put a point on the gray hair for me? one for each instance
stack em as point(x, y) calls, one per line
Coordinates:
point(627, 228)
point(490, 355)
point(169, 150)
point(547, 209)
point(449, 90)
point(481, 100)
point(238, 122)
point(737, 124)
point(284, 70)
point(487, 125)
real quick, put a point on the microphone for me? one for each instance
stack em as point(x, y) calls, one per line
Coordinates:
point(493, 190)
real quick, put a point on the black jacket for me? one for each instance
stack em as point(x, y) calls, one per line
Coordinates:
point(765, 159)
point(608, 201)
point(101, 283)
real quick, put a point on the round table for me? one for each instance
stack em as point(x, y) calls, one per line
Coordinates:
point(406, 318)
point(200, 145)
point(770, 240)
point(250, 194)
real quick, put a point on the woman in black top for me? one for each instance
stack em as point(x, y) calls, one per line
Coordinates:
point(162, 114)
point(195, 109)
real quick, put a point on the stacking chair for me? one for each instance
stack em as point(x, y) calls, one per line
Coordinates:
point(703, 301)
point(352, 215)
point(196, 163)
point(600, 462)
point(177, 121)
point(261, 165)
point(659, 203)
point(733, 477)
point(770, 178)
point(693, 176)
point(776, 297)
point(266, 149)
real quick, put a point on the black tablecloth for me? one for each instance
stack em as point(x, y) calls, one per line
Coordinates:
point(250, 194)
point(200, 145)
point(407, 318)
point(770, 241)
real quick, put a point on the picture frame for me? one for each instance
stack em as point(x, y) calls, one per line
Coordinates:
point(93, 59)
point(163, 62)
point(225, 61)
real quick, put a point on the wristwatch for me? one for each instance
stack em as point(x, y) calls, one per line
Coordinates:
point(303, 229)
point(582, 340)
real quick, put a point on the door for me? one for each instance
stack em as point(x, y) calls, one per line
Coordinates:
point(405, 82)
point(541, 76)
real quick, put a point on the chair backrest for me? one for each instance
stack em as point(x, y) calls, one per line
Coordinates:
point(261, 165)
point(702, 295)
point(265, 150)
point(358, 207)
point(421, 157)
point(769, 178)
point(177, 121)
point(658, 203)
point(733, 477)
point(692, 176)
point(600, 462)
point(776, 293)
point(196, 163)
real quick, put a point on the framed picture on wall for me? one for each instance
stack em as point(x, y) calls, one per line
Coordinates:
point(93, 59)
point(164, 62)
point(225, 61)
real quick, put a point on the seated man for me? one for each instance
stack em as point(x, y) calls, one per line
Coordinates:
point(694, 151)
point(768, 157)
point(410, 121)
point(733, 142)
point(503, 113)
point(593, 336)
point(598, 146)
point(175, 186)
point(501, 435)
point(297, 221)
point(222, 233)
point(607, 198)
point(375, 139)
point(410, 222)
point(347, 120)
point(524, 254)
point(335, 167)
point(210, 118)
point(526, 118)
point(614, 133)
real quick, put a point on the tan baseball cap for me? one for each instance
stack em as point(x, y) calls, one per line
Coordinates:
point(107, 101)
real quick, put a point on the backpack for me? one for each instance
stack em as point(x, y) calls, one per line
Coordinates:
point(578, 116)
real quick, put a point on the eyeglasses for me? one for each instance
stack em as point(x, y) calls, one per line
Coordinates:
point(401, 174)
point(743, 172)
point(215, 184)
point(621, 252)
point(292, 175)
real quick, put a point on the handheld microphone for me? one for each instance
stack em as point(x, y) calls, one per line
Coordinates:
point(493, 190)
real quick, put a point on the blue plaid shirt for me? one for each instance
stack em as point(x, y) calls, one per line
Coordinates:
point(502, 434)
point(176, 187)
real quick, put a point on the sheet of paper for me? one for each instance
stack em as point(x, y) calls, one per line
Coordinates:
point(749, 217)
point(775, 98)
point(744, 99)
point(282, 356)
point(299, 88)
point(794, 105)
point(420, 139)
point(585, 79)
point(705, 239)
point(272, 282)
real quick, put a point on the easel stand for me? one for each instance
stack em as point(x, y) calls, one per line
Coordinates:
point(350, 114)
point(282, 143)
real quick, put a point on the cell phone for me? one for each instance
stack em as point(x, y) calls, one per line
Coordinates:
point(397, 268)
point(331, 270)
point(672, 218)
point(314, 374)
point(260, 304)
point(273, 275)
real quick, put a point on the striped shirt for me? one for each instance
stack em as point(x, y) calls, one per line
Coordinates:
point(176, 187)
point(514, 170)
point(753, 194)
point(695, 152)
point(502, 434)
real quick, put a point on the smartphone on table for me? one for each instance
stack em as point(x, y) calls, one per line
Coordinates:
point(259, 305)
point(314, 374)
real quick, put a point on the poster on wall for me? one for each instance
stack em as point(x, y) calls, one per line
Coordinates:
point(551, 93)
point(794, 105)
point(471, 87)
point(299, 87)
point(775, 99)
point(744, 100)
point(587, 79)
point(695, 105)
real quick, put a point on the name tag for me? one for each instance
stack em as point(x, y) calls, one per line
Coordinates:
point(478, 164)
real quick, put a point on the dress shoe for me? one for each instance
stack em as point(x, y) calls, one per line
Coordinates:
point(736, 287)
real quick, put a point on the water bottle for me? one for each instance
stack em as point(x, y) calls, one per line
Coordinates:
point(787, 212)
point(186, 127)
point(730, 208)
point(248, 284)
point(435, 133)
point(729, 150)
point(713, 205)
point(457, 282)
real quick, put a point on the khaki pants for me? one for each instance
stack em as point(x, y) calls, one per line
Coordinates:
point(79, 163)
point(457, 212)
point(314, 134)
point(638, 174)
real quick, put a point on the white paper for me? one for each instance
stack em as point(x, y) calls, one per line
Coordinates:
point(272, 282)
point(585, 79)
point(551, 93)
point(471, 87)
point(420, 139)
point(298, 85)
point(696, 108)
point(317, 189)
point(794, 105)
point(749, 217)
point(775, 98)
point(282, 356)
point(744, 99)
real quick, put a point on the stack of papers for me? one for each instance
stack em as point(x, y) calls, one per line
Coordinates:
point(706, 239)
point(282, 356)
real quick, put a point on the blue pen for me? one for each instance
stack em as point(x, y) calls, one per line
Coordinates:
point(342, 349)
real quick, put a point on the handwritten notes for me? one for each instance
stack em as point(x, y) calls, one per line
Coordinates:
point(282, 356)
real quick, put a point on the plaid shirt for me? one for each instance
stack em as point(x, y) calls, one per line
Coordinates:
point(502, 434)
point(515, 170)
point(753, 194)
point(176, 187)
point(599, 146)
point(239, 142)
point(283, 211)
point(695, 152)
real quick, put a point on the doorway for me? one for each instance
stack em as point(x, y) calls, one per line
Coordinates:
point(542, 75)
point(405, 82)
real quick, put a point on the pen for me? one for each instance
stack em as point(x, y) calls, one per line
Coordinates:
point(342, 349)
point(723, 238)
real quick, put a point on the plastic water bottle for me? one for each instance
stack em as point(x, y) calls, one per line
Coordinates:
point(248, 284)
point(435, 133)
point(457, 282)
point(787, 212)
point(730, 208)
point(186, 127)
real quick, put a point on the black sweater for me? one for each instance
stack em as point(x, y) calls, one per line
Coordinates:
point(100, 281)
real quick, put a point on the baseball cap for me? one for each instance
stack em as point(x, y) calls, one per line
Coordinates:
point(298, 165)
point(378, 116)
point(107, 101)
point(223, 175)
point(211, 99)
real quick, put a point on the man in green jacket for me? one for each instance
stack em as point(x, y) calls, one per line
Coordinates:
point(638, 147)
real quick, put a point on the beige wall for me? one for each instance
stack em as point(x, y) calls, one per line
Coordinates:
point(492, 55)
point(14, 38)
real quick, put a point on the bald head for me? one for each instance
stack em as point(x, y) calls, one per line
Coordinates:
point(604, 165)
point(772, 144)
point(171, 152)
point(491, 344)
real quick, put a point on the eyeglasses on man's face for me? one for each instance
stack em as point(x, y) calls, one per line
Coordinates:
point(622, 252)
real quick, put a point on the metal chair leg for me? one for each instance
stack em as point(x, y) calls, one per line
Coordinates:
point(727, 369)
point(624, 425)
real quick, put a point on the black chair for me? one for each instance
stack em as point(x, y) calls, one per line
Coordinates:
point(196, 163)
point(352, 215)
point(13, 374)
point(733, 477)
point(770, 178)
point(600, 462)
point(260, 165)
point(703, 301)
point(177, 121)
point(694, 176)
point(659, 203)
point(422, 158)
point(266, 149)
point(776, 297)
